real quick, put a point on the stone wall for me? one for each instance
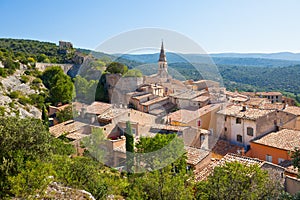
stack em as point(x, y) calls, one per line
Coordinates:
point(292, 185)
point(119, 86)
point(43, 66)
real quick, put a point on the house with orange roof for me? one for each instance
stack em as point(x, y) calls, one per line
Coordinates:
point(275, 147)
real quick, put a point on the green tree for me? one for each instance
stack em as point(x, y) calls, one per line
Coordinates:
point(32, 180)
point(117, 68)
point(129, 147)
point(85, 90)
point(21, 140)
point(296, 158)
point(160, 151)
point(81, 173)
point(60, 85)
point(45, 117)
point(65, 114)
point(95, 143)
point(133, 73)
point(237, 181)
point(168, 182)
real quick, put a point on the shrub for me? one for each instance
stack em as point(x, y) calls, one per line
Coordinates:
point(14, 94)
point(37, 81)
point(24, 79)
point(12, 104)
point(3, 73)
point(24, 100)
point(2, 110)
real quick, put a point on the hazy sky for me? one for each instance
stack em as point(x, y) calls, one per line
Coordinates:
point(216, 25)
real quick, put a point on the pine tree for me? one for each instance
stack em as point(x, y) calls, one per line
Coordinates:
point(129, 147)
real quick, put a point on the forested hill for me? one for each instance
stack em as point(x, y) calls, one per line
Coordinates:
point(217, 59)
point(19, 49)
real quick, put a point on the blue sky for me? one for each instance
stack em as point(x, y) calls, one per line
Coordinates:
point(216, 25)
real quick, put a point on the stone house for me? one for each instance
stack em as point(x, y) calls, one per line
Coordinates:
point(240, 124)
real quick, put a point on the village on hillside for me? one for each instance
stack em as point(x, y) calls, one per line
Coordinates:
point(216, 125)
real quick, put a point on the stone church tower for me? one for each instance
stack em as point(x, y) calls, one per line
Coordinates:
point(162, 63)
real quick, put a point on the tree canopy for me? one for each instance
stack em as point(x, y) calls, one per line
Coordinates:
point(117, 68)
point(60, 85)
point(234, 180)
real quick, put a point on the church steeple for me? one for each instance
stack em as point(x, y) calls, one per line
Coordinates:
point(162, 55)
point(162, 63)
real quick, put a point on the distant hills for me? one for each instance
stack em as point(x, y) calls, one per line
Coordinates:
point(279, 56)
point(257, 60)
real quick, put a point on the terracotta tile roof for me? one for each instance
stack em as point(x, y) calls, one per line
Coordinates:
point(98, 107)
point(194, 155)
point(121, 148)
point(250, 113)
point(269, 93)
point(142, 96)
point(287, 164)
point(248, 94)
point(188, 94)
point(285, 139)
point(255, 101)
point(168, 127)
point(272, 106)
point(206, 171)
point(112, 113)
point(293, 110)
point(235, 94)
point(66, 127)
point(154, 101)
point(185, 116)
point(201, 98)
point(230, 157)
point(76, 136)
point(223, 147)
point(202, 174)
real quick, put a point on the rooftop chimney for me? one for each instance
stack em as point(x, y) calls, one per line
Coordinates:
point(244, 109)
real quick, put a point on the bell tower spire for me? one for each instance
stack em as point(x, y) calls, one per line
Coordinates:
point(162, 62)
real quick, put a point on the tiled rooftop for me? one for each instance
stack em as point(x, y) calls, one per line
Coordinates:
point(66, 127)
point(154, 101)
point(241, 159)
point(269, 93)
point(168, 127)
point(285, 139)
point(185, 116)
point(201, 98)
point(255, 101)
point(206, 171)
point(194, 155)
point(223, 147)
point(250, 113)
point(112, 113)
point(188, 94)
point(142, 96)
point(293, 110)
point(98, 107)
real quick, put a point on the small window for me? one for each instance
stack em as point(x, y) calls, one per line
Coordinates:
point(239, 138)
point(280, 160)
point(238, 120)
point(225, 129)
point(225, 118)
point(268, 158)
point(133, 131)
point(250, 131)
point(199, 123)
